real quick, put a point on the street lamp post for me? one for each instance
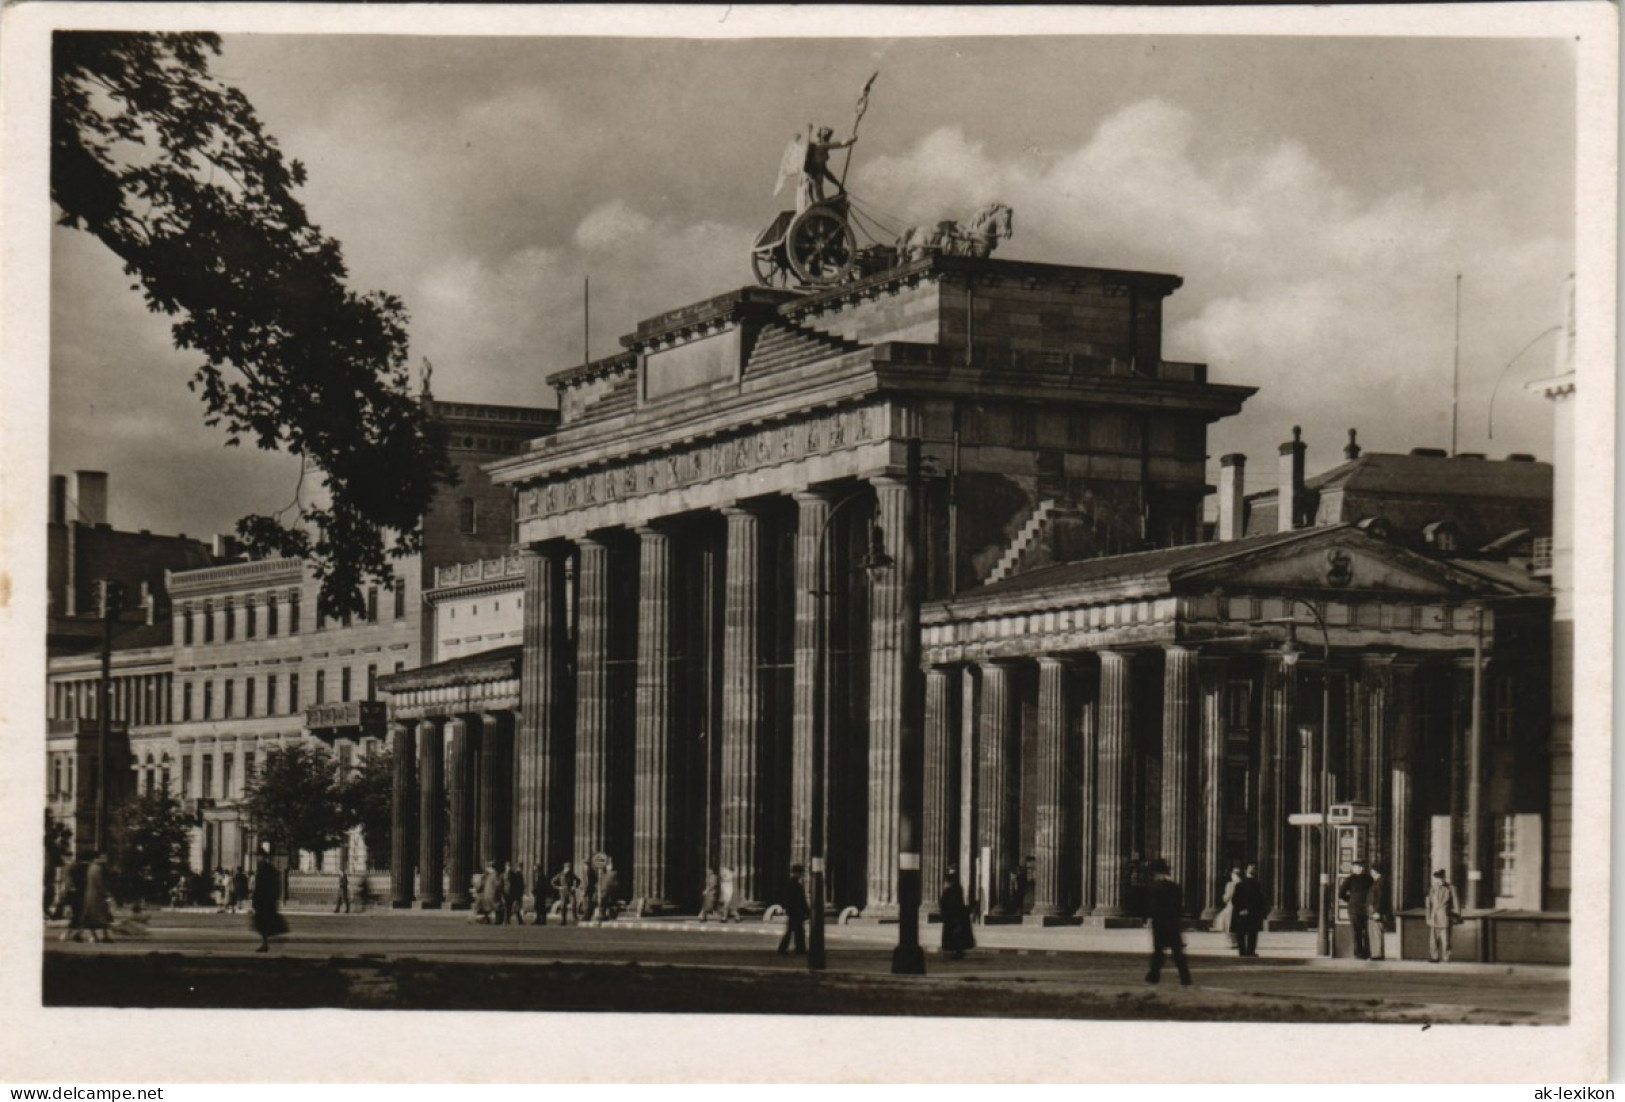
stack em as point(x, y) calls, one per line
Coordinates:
point(109, 603)
point(874, 559)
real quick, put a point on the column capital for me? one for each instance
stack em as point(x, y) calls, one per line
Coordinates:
point(812, 496)
point(652, 530)
point(1065, 661)
point(888, 478)
point(1183, 648)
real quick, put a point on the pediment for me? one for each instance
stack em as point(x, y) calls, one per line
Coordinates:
point(1342, 559)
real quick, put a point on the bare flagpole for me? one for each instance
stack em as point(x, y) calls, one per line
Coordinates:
point(586, 320)
point(1455, 371)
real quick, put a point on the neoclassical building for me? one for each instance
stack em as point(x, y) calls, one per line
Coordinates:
point(752, 502)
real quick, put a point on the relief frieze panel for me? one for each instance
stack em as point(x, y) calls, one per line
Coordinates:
point(683, 467)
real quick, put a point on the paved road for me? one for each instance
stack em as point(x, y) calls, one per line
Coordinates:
point(1097, 959)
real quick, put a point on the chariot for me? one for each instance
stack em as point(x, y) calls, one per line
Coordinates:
point(816, 247)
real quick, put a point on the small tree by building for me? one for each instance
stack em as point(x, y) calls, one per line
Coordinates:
point(294, 802)
point(368, 799)
point(151, 840)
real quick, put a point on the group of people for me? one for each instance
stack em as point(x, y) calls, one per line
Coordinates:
point(229, 889)
point(717, 897)
point(84, 895)
point(499, 893)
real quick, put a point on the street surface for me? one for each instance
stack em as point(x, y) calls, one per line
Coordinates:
point(1020, 971)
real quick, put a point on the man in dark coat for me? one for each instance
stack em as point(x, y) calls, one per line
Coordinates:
point(268, 920)
point(795, 914)
point(957, 935)
point(1165, 905)
point(1356, 892)
point(516, 893)
point(1247, 909)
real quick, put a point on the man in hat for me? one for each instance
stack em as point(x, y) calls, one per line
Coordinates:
point(1356, 892)
point(795, 914)
point(1165, 906)
point(1442, 915)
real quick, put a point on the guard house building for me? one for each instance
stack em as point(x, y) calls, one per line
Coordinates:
point(752, 502)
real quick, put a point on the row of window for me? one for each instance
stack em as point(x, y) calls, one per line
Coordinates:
point(137, 701)
point(225, 705)
point(253, 622)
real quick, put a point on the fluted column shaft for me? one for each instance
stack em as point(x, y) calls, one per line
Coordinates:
point(1306, 840)
point(1376, 676)
point(812, 514)
point(1113, 765)
point(431, 814)
point(1087, 696)
point(1212, 874)
point(998, 787)
point(403, 840)
point(1180, 720)
point(1401, 876)
point(941, 695)
point(542, 795)
point(896, 693)
point(496, 787)
point(651, 830)
point(1053, 849)
point(742, 705)
point(1280, 720)
point(592, 756)
point(460, 857)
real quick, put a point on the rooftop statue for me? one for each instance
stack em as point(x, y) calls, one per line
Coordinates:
point(806, 160)
point(988, 226)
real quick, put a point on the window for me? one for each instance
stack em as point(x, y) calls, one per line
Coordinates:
point(208, 623)
point(252, 612)
point(400, 597)
point(186, 777)
point(186, 626)
point(270, 616)
point(230, 709)
point(226, 762)
point(321, 617)
point(372, 604)
point(399, 666)
point(270, 694)
point(56, 775)
point(321, 686)
point(1506, 854)
point(208, 700)
point(372, 682)
point(293, 615)
point(1506, 710)
point(467, 517)
point(248, 767)
point(293, 693)
point(186, 702)
point(248, 697)
point(206, 789)
point(344, 684)
point(346, 759)
point(231, 622)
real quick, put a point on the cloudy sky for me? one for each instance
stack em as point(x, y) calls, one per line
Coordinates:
point(1319, 197)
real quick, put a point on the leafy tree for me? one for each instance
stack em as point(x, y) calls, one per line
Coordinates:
point(293, 800)
point(151, 840)
point(173, 171)
point(368, 799)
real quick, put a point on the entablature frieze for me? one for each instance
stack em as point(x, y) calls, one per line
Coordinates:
point(452, 700)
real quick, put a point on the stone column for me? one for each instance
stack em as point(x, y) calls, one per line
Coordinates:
point(496, 787)
point(812, 515)
point(1086, 698)
point(1055, 891)
point(1376, 673)
point(431, 814)
point(1280, 721)
point(998, 785)
point(652, 857)
point(1180, 720)
point(460, 856)
point(592, 756)
point(1306, 840)
point(1113, 772)
point(895, 698)
point(1401, 876)
point(542, 751)
point(742, 705)
point(941, 715)
point(402, 816)
point(970, 742)
point(1212, 874)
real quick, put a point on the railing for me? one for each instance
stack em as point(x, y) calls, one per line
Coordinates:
point(349, 713)
point(463, 573)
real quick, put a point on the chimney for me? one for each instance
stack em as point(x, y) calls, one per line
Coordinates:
point(90, 496)
point(1232, 496)
point(1289, 498)
point(1351, 450)
point(148, 604)
point(59, 499)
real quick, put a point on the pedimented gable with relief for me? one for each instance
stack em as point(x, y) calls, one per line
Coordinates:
point(1337, 560)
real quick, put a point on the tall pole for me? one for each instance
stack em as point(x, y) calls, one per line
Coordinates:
point(109, 598)
point(1455, 370)
point(1323, 923)
point(1475, 770)
point(909, 958)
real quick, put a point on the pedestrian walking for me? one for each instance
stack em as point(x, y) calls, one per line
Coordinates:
point(342, 900)
point(267, 900)
point(1247, 908)
point(1377, 925)
point(539, 892)
point(488, 903)
point(795, 914)
point(222, 886)
point(514, 893)
point(588, 900)
point(1442, 916)
point(1355, 891)
point(1223, 921)
point(711, 896)
point(97, 916)
point(565, 883)
point(725, 895)
point(1165, 907)
point(75, 901)
point(608, 885)
point(957, 935)
point(240, 886)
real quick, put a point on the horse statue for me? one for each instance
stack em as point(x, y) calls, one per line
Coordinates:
point(987, 227)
